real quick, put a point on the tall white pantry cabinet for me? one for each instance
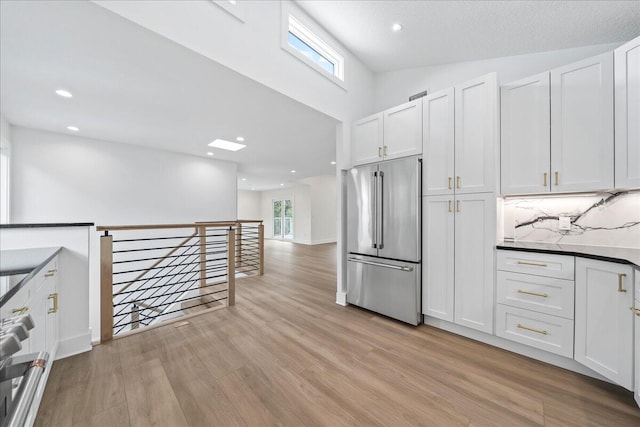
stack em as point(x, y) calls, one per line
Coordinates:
point(459, 205)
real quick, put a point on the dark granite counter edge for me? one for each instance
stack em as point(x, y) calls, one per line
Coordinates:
point(570, 253)
point(11, 292)
point(46, 225)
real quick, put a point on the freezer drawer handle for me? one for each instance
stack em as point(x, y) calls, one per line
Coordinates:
point(379, 264)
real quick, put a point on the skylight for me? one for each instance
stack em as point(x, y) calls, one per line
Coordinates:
point(226, 145)
point(314, 49)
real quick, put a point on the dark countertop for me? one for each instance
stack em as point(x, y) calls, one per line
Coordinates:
point(21, 265)
point(602, 253)
point(52, 224)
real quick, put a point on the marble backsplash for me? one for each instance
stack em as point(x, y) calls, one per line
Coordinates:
point(602, 219)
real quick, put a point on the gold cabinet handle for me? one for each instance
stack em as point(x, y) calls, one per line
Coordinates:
point(457, 205)
point(636, 311)
point(557, 177)
point(535, 264)
point(539, 331)
point(379, 151)
point(384, 150)
point(50, 273)
point(545, 179)
point(450, 206)
point(457, 182)
point(20, 311)
point(520, 291)
point(621, 276)
point(449, 185)
point(54, 309)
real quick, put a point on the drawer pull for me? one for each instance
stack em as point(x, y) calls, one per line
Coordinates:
point(49, 274)
point(621, 276)
point(450, 206)
point(536, 264)
point(636, 311)
point(545, 179)
point(54, 309)
point(457, 182)
point(520, 291)
point(20, 311)
point(539, 331)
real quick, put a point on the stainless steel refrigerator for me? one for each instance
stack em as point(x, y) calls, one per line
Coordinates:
point(384, 239)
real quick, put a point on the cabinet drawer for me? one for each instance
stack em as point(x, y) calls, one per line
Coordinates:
point(18, 304)
point(542, 294)
point(548, 265)
point(48, 272)
point(550, 333)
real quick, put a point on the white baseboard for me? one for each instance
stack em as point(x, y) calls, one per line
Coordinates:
point(74, 345)
point(341, 298)
point(323, 241)
point(525, 350)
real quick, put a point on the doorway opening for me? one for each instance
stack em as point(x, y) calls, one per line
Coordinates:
point(283, 219)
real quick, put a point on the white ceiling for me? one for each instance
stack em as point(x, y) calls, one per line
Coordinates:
point(441, 32)
point(133, 86)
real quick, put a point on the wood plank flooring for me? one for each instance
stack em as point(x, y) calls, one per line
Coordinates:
point(287, 355)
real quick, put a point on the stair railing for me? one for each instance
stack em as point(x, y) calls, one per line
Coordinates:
point(151, 274)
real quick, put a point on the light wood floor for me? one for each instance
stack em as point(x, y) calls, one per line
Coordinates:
point(287, 355)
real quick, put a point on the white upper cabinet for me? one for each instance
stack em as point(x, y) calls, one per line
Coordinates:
point(438, 143)
point(403, 130)
point(603, 321)
point(525, 136)
point(627, 115)
point(394, 133)
point(475, 135)
point(366, 139)
point(582, 125)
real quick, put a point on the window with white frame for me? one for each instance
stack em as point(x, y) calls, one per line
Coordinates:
point(308, 46)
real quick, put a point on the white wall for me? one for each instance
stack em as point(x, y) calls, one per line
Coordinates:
point(63, 178)
point(249, 205)
point(5, 155)
point(323, 197)
point(253, 48)
point(395, 87)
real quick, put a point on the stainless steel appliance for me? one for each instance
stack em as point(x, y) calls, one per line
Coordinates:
point(383, 238)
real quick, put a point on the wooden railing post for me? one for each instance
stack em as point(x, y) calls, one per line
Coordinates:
point(202, 232)
point(231, 268)
point(261, 247)
point(106, 287)
point(135, 317)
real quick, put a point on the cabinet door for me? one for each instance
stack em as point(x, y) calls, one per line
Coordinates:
point(637, 340)
point(525, 136)
point(51, 313)
point(603, 321)
point(403, 130)
point(438, 257)
point(475, 135)
point(627, 111)
point(582, 125)
point(438, 142)
point(475, 238)
point(366, 140)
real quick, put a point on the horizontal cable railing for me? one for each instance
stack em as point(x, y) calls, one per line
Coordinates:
point(154, 273)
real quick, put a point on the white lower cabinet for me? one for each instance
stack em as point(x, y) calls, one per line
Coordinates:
point(636, 311)
point(551, 333)
point(459, 270)
point(604, 323)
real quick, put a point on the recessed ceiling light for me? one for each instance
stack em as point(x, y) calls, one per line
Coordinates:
point(396, 27)
point(244, 179)
point(253, 189)
point(292, 171)
point(64, 93)
point(73, 128)
point(226, 145)
point(281, 185)
point(333, 163)
point(209, 153)
point(239, 139)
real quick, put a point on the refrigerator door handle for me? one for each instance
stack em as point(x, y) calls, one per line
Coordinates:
point(373, 224)
point(379, 264)
point(381, 245)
